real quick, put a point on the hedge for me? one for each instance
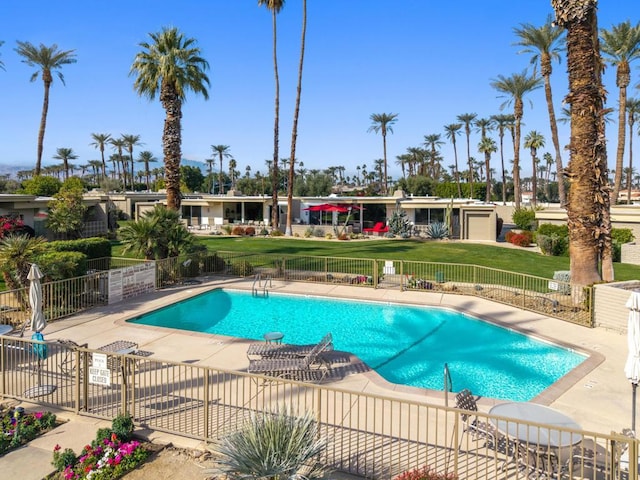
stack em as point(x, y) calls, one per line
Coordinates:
point(94, 247)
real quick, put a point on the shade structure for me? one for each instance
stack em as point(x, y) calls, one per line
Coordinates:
point(38, 322)
point(632, 365)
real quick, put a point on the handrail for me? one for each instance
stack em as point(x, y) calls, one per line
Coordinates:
point(254, 290)
point(448, 385)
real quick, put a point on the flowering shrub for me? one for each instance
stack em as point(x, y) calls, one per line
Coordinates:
point(109, 460)
point(9, 224)
point(425, 473)
point(522, 239)
point(237, 230)
point(19, 427)
point(250, 231)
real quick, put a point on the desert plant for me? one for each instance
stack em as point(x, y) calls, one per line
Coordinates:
point(563, 276)
point(425, 473)
point(399, 224)
point(237, 230)
point(227, 229)
point(276, 233)
point(242, 268)
point(275, 445)
point(437, 231)
point(250, 231)
point(553, 244)
point(328, 235)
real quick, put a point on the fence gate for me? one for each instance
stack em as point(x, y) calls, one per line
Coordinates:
point(390, 274)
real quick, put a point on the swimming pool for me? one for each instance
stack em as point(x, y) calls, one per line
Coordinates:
point(407, 345)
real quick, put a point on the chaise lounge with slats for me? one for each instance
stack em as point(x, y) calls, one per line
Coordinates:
point(272, 350)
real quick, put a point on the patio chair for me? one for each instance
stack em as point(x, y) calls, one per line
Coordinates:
point(299, 368)
point(472, 424)
point(589, 455)
point(68, 362)
point(274, 350)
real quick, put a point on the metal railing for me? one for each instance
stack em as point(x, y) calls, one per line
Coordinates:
point(369, 435)
point(549, 297)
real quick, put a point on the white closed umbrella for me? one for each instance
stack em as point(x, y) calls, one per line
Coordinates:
point(632, 365)
point(38, 321)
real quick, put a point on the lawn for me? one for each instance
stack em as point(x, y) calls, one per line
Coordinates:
point(523, 260)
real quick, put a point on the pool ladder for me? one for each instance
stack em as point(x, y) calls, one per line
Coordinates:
point(257, 285)
point(448, 385)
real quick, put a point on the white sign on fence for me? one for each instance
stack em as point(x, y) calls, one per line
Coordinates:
point(99, 374)
point(99, 360)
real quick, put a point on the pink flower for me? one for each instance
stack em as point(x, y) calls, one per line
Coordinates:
point(56, 448)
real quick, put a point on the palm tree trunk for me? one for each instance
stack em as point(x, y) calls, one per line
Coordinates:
point(275, 210)
point(43, 120)
point(171, 139)
point(517, 193)
point(553, 124)
point(294, 129)
point(629, 182)
point(622, 129)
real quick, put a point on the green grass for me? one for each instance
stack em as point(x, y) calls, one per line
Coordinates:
point(510, 259)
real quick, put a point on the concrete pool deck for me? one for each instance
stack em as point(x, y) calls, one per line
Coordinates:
point(596, 394)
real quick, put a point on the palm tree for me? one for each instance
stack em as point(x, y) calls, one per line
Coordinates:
point(516, 87)
point(621, 46)
point(382, 123)
point(46, 60)
point(487, 146)
point(1, 62)
point(433, 141)
point(294, 128)
point(146, 157)
point(467, 119)
point(232, 172)
point(534, 141)
point(548, 158)
point(99, 141)
point(503, 122)
point(65, 154)
point(633, 114)
point(451, 131)
point(169, 67)
point(274, 6)
point(545, 44)
point(118, 145)
point(223, 152)
point(588, 203)
point(17, 252)
point(131, 141)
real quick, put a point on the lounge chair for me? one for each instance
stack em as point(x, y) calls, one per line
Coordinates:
point(68, 355)
point(295, 367)
point(472, 424)
point(273, 350)
point(378, 228)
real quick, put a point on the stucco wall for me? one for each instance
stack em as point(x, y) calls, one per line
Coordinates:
point(609, 309)
point(630, 253)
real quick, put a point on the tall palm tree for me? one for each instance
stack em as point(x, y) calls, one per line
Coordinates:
point(222, 151)
point(46, 60)
point(487, 146)
point(99, 141)
point(170, 66)
point(274, 6)
point(451, 131)
point(119, 145)
point(294, 128)
point(65, 154)
point(621, 46)
point(433, 141)
point(588, 203)
point(534, 141)
point(382, 123)
point(515, 88)
point(1, 62)
point(545, 44)
point(146, 157)
point(232, 172)
point(467, 119)
point(503, 122)
point(633, 114)
point(131, 141)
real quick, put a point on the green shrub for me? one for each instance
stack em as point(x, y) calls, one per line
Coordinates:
point(62, 265)
point(123, 427)
point(524, 218)
point(227, 229)
point(276, 233)
point(92, 247)
point(237, 230)
point(551, 229)
point(553, 244)
point(565, 277)
point(214, 263)
point(622, 235)
point(242, 268)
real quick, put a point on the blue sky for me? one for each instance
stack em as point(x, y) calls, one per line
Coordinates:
point(427, 61)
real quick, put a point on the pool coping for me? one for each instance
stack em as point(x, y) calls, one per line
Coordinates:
point(546, 397)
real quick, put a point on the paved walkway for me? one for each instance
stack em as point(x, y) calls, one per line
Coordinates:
point(597, 394)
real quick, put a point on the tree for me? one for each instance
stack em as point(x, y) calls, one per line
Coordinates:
point(118, 145)
point(65, 154)
point(467, 119)
point(621, 46)
point(274, 6)
point(46, 60)
point(433, 141)
point(131, 141)
point(515, 88)
point(451, 131)
point(633, 113)
point(223, 152)
point(294, 128)
point(534, 141)
point(545, 44)
point(503, 122)
point(170, 66)
point(192, 178)
point(42, 186)
point(146, 157)
point(1, 62)
point(17, 252)
point(382, 123)
point(99, 141)
point(487, 146)
point(588, 203)
point(66, 210)
point(158, 234)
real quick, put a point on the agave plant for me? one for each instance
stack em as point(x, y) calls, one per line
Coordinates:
point(437, 231)
point(276, 445)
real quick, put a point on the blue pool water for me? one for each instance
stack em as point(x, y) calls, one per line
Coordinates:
point(407, 345)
